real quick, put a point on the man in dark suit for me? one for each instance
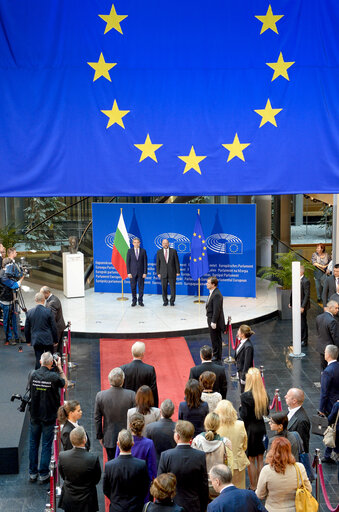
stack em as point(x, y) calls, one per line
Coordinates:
point(162, 432)
point(111, 405)
point(136, 262)
point(126, 481)
point(215, 316)
point(53, 303)
point(207, 365)
point(327, 330)
point(40, 329)
point(167, 268)
point(189, 466)
point(331, 285)
point(137, 373)
point(81, 472)
point(231, 499)
point(329, 392)
point(298, 420)
point(305, 291)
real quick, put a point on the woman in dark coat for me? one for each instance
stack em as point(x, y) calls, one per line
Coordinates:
point(254, 406)
point(163, 489)
point(68, 415)
point(193, 409)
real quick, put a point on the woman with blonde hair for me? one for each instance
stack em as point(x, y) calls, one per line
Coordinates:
point(218, 449)
point(235, 431)
point(254, 406)
point(278, 480)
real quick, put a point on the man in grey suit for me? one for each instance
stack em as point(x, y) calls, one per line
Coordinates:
point(112, 405)
point(53, 303)
point(327, 330)
point(167, 268)
point(331, 285)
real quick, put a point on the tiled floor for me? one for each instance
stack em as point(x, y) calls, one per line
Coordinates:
point(271, 342)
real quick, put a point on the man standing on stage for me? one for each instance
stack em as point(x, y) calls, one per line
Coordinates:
point(136, 262)
point(215, 316)
point(168, 269)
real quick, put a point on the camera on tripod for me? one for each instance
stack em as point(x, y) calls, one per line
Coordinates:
point(24, 400)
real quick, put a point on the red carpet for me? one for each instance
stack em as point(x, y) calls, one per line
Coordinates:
point(170, 357)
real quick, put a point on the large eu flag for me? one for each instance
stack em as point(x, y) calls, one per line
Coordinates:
point(199, 258)
point(150, 98)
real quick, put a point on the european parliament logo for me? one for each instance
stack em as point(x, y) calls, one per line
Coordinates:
point(223, 243)
point(177, 241)
point(109, 239)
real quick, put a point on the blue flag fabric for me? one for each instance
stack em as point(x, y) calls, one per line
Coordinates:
point(199, 258)
point(178, 98)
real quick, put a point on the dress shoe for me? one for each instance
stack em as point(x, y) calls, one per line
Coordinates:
point(141, 304)
point(304, 343)
point(165, 304)
point(172, 303)
point(327, 460)
point(133, 304)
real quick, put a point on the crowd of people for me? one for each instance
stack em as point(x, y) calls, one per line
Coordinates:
point(195, 464)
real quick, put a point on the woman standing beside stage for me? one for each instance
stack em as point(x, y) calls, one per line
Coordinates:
point(244, 354)
point(68, 415)
point(254, 406)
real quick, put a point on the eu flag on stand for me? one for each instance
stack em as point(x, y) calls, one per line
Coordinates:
point(199, 259)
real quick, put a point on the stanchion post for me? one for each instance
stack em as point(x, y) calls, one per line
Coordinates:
point(317, 482)
point(56, 458)
point(229, 359)
point(69, 338)
point(52, 496)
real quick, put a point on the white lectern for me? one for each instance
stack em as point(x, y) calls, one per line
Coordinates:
point(73, 270)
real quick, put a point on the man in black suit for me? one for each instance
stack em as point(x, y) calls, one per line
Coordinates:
point(81, 472)
point(329, 393)
point(126, 481)
point(111, 405)
point(215, 316)
point(331, 285)
point(136, 262)
point(305, 292)
point(327, 330)
point(40, 329)
point(298, 420)
point(189, 466)
point(53, 303)
point(167, 268)
point(207, 365)
point(137, 373)
point(162, 432)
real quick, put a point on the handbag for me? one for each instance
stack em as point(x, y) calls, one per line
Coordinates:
point(304, 501)
point(319, 424)
point(330, 434)
point(145, 507)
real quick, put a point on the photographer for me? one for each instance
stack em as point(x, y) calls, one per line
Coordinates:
point(13, 268)
point(45, 400)
point(7, 286)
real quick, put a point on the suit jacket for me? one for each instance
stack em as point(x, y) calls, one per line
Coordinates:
point(81, 473)
point(329, 288)
point(170, 269)
point(232, 499)
point(126, 483)
point(40, 327)
point(161, 432)
point(220, 384)
point(137, 373)
point(136, 266)
point(244, 358)
point(214, 309)
point(111, 405)
point(327, 331)
point(53, 303)
point(65, 440)
point(300, 423)
point(329, 392)
point(189, 466)
point(305, 293)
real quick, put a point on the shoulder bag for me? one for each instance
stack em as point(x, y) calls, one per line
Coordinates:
point(304, 501)
point(330, 434)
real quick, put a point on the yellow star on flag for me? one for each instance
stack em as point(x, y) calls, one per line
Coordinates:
point(115, 115)
point(269, 20)
point(192, 161)
point(236, 149)
point(148, 149)
point(102, 68)
point(280, 67)
point(194, 234)
point(268, 114)
point(113, 20)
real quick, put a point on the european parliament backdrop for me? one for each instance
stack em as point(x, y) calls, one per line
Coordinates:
point(229, 232)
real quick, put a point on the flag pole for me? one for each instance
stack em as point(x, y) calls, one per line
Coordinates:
point(199, 301)
point(122, 281)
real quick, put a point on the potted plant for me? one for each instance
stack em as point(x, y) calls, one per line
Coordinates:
point(281, 274)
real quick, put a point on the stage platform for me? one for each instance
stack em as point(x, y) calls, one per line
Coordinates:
point(102, 315)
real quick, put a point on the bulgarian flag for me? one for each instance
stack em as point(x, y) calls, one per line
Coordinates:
point(120, 248)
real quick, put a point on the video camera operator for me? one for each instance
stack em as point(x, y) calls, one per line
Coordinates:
point(8, 284)
point(45, 384)
point(13, 268)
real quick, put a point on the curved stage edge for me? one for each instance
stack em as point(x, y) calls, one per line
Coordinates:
point(100, 315)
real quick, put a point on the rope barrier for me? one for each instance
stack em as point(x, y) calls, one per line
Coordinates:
point(323, 488)
point(276, 402)
point(261, 368)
